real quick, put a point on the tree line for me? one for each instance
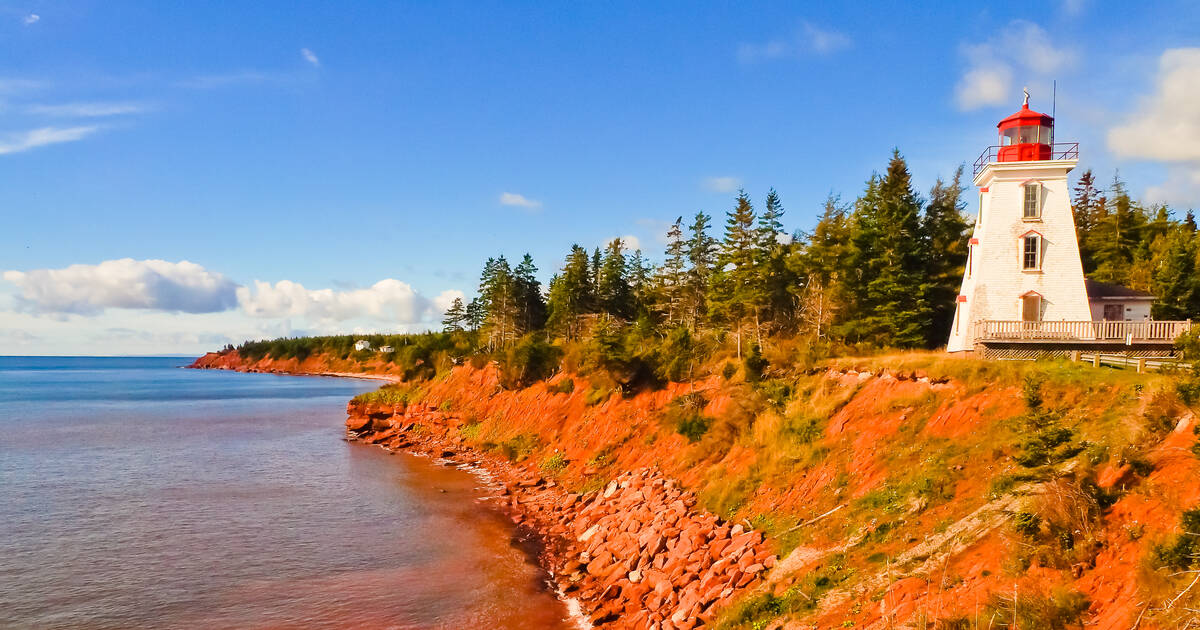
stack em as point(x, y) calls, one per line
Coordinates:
point(881, 271)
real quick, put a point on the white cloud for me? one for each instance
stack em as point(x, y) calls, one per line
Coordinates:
point(521, 201)
point(310, 57)
point(985, 86)
point(26, 140)
point(1021, 49)
point(825, 41)
point(32, 18)
point(388, 300)
point(631, 242)
point(87, 110)
point(126, 283)
point(809, 38)
point(1165, 127)
point(722, 184)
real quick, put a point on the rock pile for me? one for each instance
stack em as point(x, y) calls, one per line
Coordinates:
point(638, 555)
point(635, 553)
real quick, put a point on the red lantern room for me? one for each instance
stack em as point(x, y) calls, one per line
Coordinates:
point(1026, 135)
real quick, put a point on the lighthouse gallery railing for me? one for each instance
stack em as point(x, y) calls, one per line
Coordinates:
point(1104, 331)
point(1060, 151)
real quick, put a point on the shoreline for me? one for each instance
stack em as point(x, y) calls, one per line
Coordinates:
point(638, 552)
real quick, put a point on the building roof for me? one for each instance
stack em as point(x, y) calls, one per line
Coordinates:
point(1105, 291)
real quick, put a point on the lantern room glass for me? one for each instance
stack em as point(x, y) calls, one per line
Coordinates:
point(1027, 134)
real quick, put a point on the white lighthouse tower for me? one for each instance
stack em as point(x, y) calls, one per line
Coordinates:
point(1023, 262)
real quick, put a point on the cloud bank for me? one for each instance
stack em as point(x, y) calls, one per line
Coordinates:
point(1165, 127)
point(387, 300)
point(159, 285)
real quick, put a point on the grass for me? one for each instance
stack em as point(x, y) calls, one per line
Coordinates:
point(391, 395)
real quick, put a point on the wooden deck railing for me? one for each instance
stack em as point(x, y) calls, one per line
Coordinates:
point(1104, 331)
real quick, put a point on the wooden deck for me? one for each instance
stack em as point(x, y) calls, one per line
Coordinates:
point(1021, 339)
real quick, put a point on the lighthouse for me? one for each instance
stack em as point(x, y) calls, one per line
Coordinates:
point(1023, 269)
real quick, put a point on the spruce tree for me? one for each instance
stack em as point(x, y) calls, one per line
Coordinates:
point(499, 293)
point(701, 255)
point(613, 293)
point(822, 263)
point(737, 292)
point(1087, 206)
point(946, 228)
point(531, 304)
point(455, 316)
point(1176, 286)
point(571, 294)
point(672, 278)
point(640, 273)
point(895, 311)
point(775, 278)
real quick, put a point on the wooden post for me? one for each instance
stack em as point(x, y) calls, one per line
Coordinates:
point(1096, 359)
point(1074, 356)
point(1141, 365)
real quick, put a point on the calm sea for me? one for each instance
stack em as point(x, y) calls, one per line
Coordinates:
point(134, 494)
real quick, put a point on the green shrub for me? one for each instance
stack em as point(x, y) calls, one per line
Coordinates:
point(518, 448)
point(470, 431)
point(676, 355)
point(753, 364)
point(596, 395)
point(693, 426)
point(553, 463)
point(685, 415)
point(1184, 551)
point(1060, 611)
point(805, 430)
point(1027, 524)
point(530, 360)
point(728, 370)
point(564, 386)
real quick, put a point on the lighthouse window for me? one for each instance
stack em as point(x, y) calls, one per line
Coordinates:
point(1033, 199)
point(1029, 252)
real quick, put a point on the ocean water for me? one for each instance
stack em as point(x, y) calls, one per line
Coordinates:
point(134, 494)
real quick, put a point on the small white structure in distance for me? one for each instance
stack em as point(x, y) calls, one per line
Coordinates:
point(386, 349)
point(362, 344)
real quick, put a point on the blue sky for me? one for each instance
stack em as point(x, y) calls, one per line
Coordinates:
point(177, 175)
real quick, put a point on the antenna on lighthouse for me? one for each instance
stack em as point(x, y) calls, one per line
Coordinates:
point(1053, 98)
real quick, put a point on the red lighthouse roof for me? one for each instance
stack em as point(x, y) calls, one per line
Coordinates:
point(1026, 117)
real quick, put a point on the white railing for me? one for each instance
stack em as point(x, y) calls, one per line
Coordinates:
point(1106, 331)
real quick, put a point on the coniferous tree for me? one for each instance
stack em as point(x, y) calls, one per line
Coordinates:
point(736, 295)
point(498, 292)
point(946, 229)
point(701, 255)
point(613, 293)
point(571, 294)
point(1087, 206)
point(640, 273)
point(895, 310)
point(822, 263)
point(455, 317)
point(531, 304)
point(1115, 235)
point(597, 260)
point(474, 315)
point(1176, 286)
point(672, 278)
point(774, 276)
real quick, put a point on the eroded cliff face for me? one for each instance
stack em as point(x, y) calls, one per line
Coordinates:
point(890, 497)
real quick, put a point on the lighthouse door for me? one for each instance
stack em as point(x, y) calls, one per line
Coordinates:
point(1031, 307)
